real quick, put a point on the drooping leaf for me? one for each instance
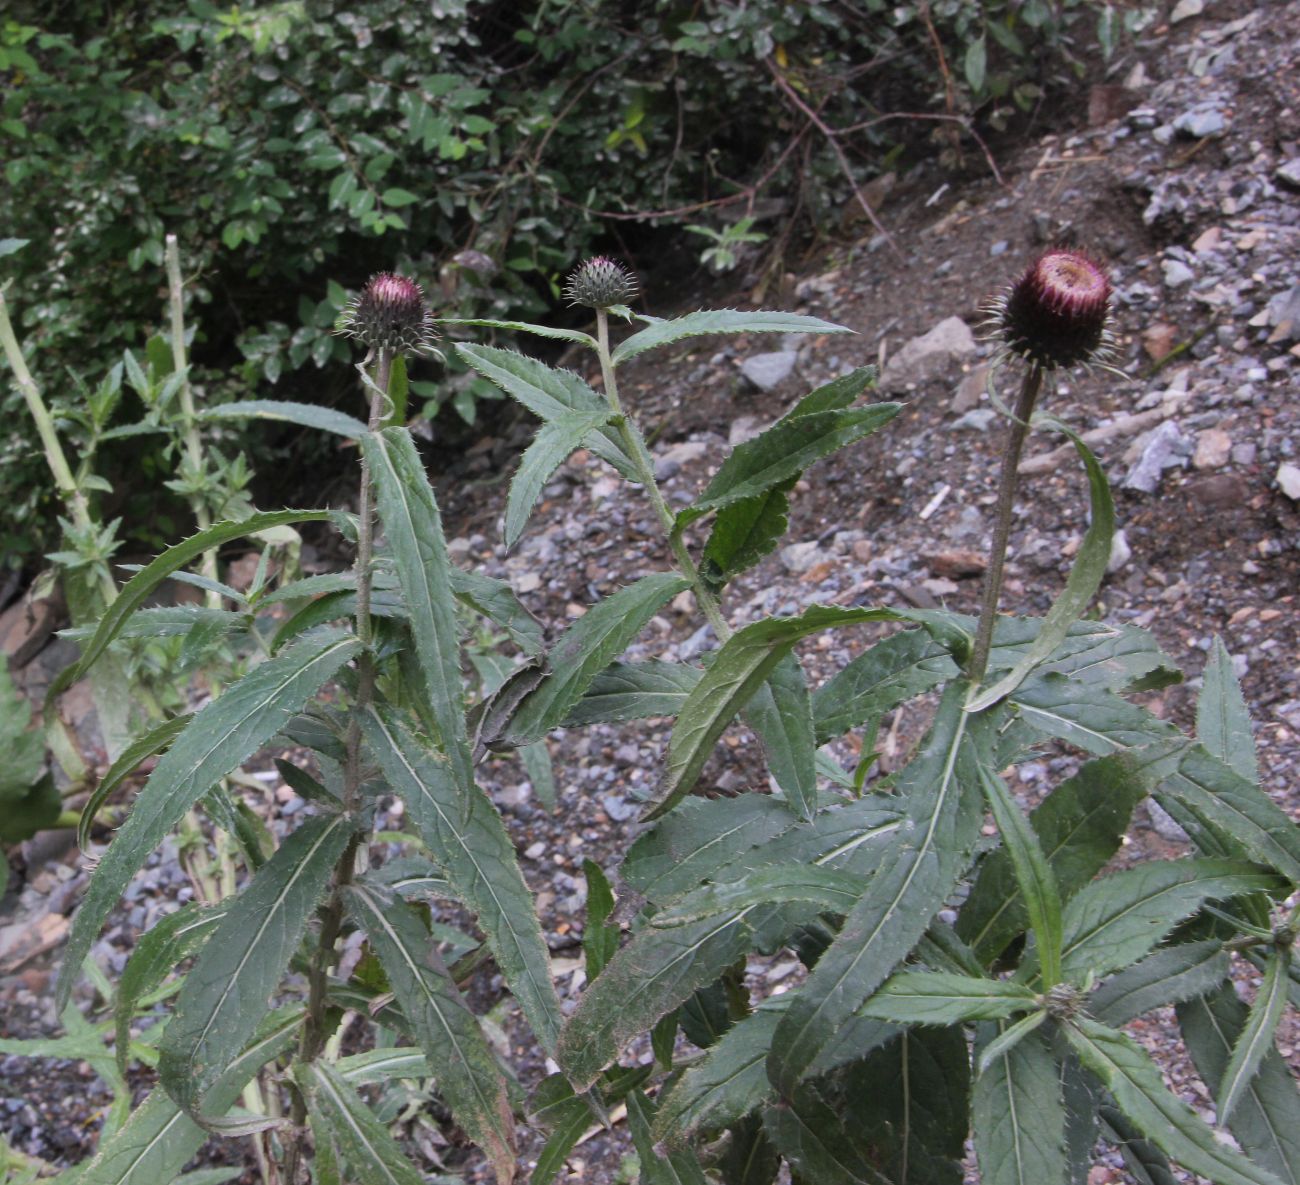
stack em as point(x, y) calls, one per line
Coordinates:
point(599, 937)
point(1222, 718)
point(414, 529)
point(1142, 1158)
point(744, 533)
point(810, 1134)
point(829, 889)
point(448, 1032)
point(536, 759)
point(549, 450)
point(306, 415)
point(566, 1116)
point(780, 713)
point(168, 621)
point(496, 601)
point(679, 1167)
point(1256, 1039)
point(466, 837)
point(1019, 1118)
point(940, 998)
point(216, 740)
point(228, 990)
point(1092, 717)
point(713, 321)
point(1128, 1073)
point(568, 335)
point(1169, 975)
point(750, 1158)
point(634, 691)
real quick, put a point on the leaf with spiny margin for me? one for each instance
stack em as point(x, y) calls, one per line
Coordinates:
point(599, 938)
point(549, 394)
point(679, 1167)
point(469, 1079)
point(634, 691)
point(1079, 825)
point(334, 607)
point(496, 601)
point(364, 1144)
point(226, 732)
point(1256, 1039)
point(414, 528)
point(585, 649)
point(1125, 1069)
point(780, 713)
point(1091, 717)
point(940, 791)
point(567, 335)
point(548, 451)
point(831, 890)
point(465, 836)
point(167, 621)
point(1019, 1118)
point(1222, 718)
point(229, 988)
point(746, 532)
point(1168, 975)
point(379, 1065)
point(940, 998)
point(1113, 922)
point(305, 415)
point(810, 1134)
point(556, 1108)
point(1080, 586)
point(1081, 1095)
point(1266, 1119)
point(713, 321)
point(1142, 1158)
point(171, 939)
point(750, 1158)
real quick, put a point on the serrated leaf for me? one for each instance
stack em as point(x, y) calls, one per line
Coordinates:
point(1080, 586)
point(750, 1158)
point(1256, 1039)
point(167, 621)
point(940, 998)
point(1128, 1073)
point(599, 938)
point(1266, 1119)
point(810, 1134)
point(465, 836)
point(363, 1142)
point(745, 532)
point(1222, 718)
point(496, 601)
point(555, 1107)
point(679, 1167)
point(414, 528)
point(634, 691)
point(942, 798)
point(1142, 1158)
point(305, 415)
point(228, 990)
point(585, 649)
point(548, 451)
point(1019, 1118)
point(780, 713)
point(712, 321)
point(216, 740)
point(1169, 975)
point(448, 1032)
point(568, 335)
point(1094, 718)
point(829, 889)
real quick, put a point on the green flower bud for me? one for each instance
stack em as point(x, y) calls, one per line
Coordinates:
point(600, 283)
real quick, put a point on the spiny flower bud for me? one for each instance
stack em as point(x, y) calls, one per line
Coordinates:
point(1057, 314)
point(600, 283)
point(389, 314)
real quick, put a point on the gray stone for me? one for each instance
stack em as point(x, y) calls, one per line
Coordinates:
point(1120, 552)
point(1201, 121)
point(1284, 314)
point(1177, 273)
point(669, 463)
point(1164, 822)
point(929, 356)
point(1288, 173)
point(743, 429)
point(1185, 9)
point(976, 420)
point(970, 390)
point(1244, 454)
point(799, 557)
point(766, 371)
point(1165, 448)
point(617, 807)
point(1288, 480)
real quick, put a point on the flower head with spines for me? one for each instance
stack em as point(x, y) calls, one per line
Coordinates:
point(389, 314)
point(600, 283)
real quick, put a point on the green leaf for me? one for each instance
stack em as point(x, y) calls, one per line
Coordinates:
point(552, 445)
point(216, 740)
point(599, 938)
point(414, 529)
point(976, 63)
point(468, 1077)
point(1128, 1073)
point(465, 836)
point(750, 1158)
point(1080, 587)
point(940, 998)
point(780, 713)
point(171, 939)
point(1091, 717)
point(634, 691)
point(168, 621)
point(679, 1167)
point(831, 890)
point(134, 593)
point(496, 601)
point(370, 1153)
point(556, 1108)
point(397, 197)
point(380, 1065)
point(306, 415)
point(568, 335)
point(745, 532)
point(1256, 1039)
point(810, 1134)
point(227, 992)
point(1266, 1119)
point(1169, 975)
point(1142, 1158)
point(1019, 1118)
point(536, 759)
point(1222, 718)
point(10, 246)
point(713, 321)
point(585, 649)
point(940, 790)
point(1114, 921)
point(1034, 877)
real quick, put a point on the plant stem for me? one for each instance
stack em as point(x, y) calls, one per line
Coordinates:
point(645, 471)
point(1016, 433)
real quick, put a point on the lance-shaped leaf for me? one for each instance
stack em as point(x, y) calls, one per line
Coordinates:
point(1080, 586)
point(634, 691)
point(750, 1158)
point(168, 621)
point(548, 394)
point(215, 741)
point(567, 335)
point(599, 937)
point(810, 1134)
point(829, 889)
point(1142, 1158)
point(780, 713)
point(1266, 1119)
point(496, 601)
point(940, 998)
point(713, 321)
point(380, 1065)
point(744, 533)
point(169, 940)
point(370, 1153)
point(1222, 718)
point(585, 649)
point(1128, 1073)
point(1169, 975)
point(679, 1167)
point(566, 1116)
point(414, 529)
point(941, 789)
point(549, 450)
point(465, 836)
point(227, 992)
point(448, 1032)
point(1019, 1118)
point(1093, 718)
point(305, 415)
point(1118, 919)
point(1256, 1039)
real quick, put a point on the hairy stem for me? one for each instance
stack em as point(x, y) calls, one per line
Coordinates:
point(645, 471)
point(1016, 433)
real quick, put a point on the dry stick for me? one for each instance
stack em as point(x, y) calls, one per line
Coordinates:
point(1016, 433)
point(833, 140)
